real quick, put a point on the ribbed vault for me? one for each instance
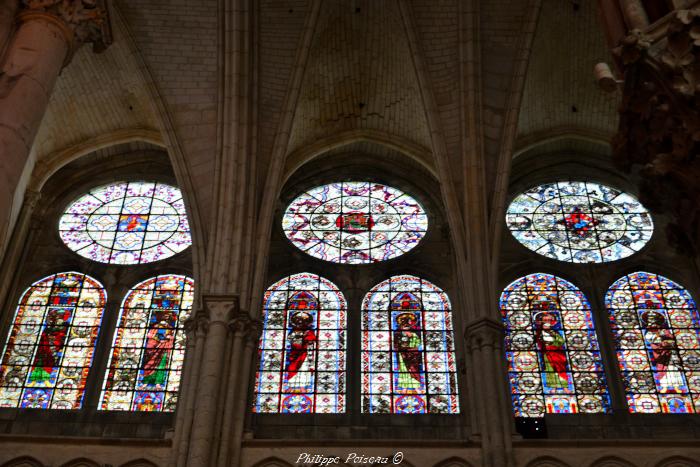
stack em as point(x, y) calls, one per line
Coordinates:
point(359, 75)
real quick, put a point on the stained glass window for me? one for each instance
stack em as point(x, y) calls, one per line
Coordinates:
point(127, 223)
point(51, 343)
point(302, 348)
point(408, 361)
point(355, 222)
point(554, 361)
point(656, 328)
point(143, 373)
point(579, 222)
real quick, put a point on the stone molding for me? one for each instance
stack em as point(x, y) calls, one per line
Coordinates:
point(83, 21)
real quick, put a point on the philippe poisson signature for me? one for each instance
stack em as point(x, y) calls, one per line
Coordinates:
point(352, 458)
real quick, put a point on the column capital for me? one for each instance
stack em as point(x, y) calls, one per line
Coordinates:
point(242, 324)
point(82, 21)
point(220, 308)
point(484, 332)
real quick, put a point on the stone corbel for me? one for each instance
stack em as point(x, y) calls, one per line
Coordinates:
point(81, 21)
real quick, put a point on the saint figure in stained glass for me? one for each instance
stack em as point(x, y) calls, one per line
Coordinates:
point(301, 341)
point(408, 362)
point(302, 347)
point(144, 369)
point(50, 347)
point(554, 362)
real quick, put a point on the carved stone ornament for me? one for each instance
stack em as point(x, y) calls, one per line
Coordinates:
point(220, 308)
point(659, 131)
point(88, 19)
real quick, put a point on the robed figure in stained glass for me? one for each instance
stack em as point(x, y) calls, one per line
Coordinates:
point(159, 342)
point(663, 353)
point(550, 343)
point(301, 342)
point(407, 342)
point(51, 343)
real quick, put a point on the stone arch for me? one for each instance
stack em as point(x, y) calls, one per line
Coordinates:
point(611, 461)
point(297, 158)
point(677, 461)
point(272, 462)
point(547, 461)
point(51, 164)
point(139, 463)
point(81, 462)
point(24, 461)
point(453, 462)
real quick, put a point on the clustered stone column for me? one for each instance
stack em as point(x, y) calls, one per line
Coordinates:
point(39, 37)
point(221, 341)
point(484, 338)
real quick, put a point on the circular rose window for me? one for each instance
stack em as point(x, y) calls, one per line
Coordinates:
point(127, 223)
point(579, 222)
point(355, 222)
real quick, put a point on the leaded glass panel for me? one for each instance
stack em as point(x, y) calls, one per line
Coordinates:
point(49, 350)
point(355, 222)
point(408, 361)
point(127, 223)
point(554, 361)
point(148, 350)
point(579, 222)
point(302, 347)
point(656, 328)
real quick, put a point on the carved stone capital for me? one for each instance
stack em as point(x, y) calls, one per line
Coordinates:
point(484, 332)
point(84, 21)
point(255, 327)
point(239, 324)
point(220, 309)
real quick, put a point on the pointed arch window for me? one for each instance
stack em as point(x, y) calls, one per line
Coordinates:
point(302, 348)
point(148, 349)
point(50, 346)
point(408, 361)
point(656, 327)
point(554, 361)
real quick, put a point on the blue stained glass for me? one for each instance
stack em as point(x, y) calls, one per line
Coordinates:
point(302, 348)
point(552, 351)
point(656, 328)
point(408, 361)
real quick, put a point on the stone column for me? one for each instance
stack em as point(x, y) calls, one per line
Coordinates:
point(219, 310)
point(195, 330)
point(241, 409)
point(239, 328)
point(47, 33)
point(485, 343)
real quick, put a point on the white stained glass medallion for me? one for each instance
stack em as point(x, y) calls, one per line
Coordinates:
point(127, 223)
point(579, 222)
point(355, 222)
